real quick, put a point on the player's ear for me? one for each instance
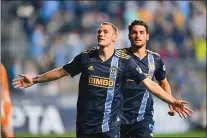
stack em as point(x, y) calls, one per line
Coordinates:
point(129, 36)
point(115, 37)
point(148, 36)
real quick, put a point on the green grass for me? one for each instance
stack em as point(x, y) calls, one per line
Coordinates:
point(195, 134)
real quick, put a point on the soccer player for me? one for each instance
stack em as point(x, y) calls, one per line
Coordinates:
point(103, 69)
point(138, 109)
point(6, 128)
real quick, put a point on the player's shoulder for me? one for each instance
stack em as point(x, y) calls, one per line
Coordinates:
point(155, 54)
point(122, 53)
point(90, 50)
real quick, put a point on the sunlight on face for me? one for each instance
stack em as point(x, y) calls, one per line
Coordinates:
point(106, 35)
point(138, 36)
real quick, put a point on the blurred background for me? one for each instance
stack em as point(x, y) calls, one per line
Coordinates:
point(37, 36)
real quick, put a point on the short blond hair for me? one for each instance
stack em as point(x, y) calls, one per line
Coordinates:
point(112, 25)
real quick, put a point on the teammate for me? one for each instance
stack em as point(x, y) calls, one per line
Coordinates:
point(138, 109)
point(103, 69)
point(6, 128)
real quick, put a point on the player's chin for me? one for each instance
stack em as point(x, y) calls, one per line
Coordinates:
point(138, 45)
point(102, 44)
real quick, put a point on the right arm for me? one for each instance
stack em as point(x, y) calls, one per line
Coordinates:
point(50, 76)
point(73, 68)
point(27, 81)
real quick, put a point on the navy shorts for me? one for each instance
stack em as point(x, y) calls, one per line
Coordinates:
point(142, 129)
point(114, 132)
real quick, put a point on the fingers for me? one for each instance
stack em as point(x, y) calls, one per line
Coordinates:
point(21, 75)
point(14, 82)
point(184, 102)
point(188, 111)
point(179, 113)
point(17, 85)
point(191, 111)
point(181, 109)
point(183, 114)
point(21, 87)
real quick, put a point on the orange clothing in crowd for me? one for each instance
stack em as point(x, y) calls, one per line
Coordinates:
point(5, 104)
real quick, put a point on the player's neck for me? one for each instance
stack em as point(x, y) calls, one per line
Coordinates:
point(106, 52)
point(140, 52)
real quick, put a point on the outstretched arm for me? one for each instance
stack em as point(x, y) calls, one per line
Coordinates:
point(27, 81)
point(178, 105)
point(155, 89)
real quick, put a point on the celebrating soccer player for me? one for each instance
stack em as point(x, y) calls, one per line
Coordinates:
point(103, 71)
point(137, 121)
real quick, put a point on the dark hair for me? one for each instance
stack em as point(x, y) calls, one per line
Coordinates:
point(113, 26)
point(138, 22)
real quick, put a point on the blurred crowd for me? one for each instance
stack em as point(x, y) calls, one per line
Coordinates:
point(38, 36)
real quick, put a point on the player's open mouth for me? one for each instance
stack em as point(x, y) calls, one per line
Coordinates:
point(100, 39)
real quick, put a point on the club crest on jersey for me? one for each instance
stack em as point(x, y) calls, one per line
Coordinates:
point(113, 70)
point(151, 67)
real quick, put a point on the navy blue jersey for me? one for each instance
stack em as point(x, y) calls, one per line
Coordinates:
point(99, 99)
point(138, 102)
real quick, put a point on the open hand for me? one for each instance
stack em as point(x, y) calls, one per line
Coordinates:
point(181, 109)
point(23, 82)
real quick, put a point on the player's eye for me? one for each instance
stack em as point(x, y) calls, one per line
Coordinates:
point(141, 32)
point(99, 32)
point(105, 31)
point(133, 32)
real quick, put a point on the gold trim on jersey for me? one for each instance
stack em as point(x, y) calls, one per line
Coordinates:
point(89, 50)
point(153, 52)
point(148, 75)
point(122, 53)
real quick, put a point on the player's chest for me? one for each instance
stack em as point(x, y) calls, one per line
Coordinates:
point(101, 69)
point(147, 68)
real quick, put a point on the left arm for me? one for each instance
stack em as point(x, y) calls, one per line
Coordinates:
point(160, 75)
point(158, 91)
point(164, 84)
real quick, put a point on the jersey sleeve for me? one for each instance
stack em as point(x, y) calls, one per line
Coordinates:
point(160, 72)
point(74, 67)
point(134, 71)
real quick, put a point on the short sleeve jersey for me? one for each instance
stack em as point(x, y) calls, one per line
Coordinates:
point(138, 102)
point(100, 99)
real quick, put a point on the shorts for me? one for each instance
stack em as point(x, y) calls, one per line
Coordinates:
point(142, 129)
point(114, 131)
